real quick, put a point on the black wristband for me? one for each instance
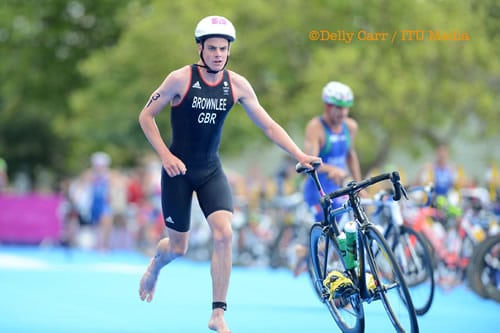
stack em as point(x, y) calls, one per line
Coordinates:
point(219, 305)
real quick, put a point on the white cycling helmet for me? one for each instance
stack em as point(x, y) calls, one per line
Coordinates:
point(214, 26)
point(338, 94)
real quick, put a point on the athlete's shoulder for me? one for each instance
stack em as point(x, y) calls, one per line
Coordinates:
point(242, 89)
point(238, 80)
point(176, 81)
point(316, 121)
point(352, 125)
point(181, 74)
point(234, 75)
point(314, 125)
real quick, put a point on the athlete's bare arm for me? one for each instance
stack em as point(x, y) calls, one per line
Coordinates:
point(352, 156)
point(314, 137)
point(314, 140)
point(245, 95)
point(170, 91)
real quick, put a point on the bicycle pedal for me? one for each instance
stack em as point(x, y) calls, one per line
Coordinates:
point(348, 292)
point(370, 282)
point(338, 284)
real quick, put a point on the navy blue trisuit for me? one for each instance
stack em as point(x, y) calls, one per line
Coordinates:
point(197, 123)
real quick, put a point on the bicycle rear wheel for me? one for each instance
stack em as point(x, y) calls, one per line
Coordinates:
point(390, 282)
point(483, 273)
point(414, 259)
point(324, 258)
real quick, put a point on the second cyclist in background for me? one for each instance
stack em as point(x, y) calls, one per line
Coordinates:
point(330, 136)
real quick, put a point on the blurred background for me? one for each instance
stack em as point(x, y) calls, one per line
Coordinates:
point(76, 73)
point(80, 206)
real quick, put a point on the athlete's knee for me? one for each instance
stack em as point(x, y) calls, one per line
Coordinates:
point(220, 224)
point(179, 248)
point(222, 234)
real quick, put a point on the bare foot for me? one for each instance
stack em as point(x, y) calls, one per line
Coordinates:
point(148, 283)
point(217, 322)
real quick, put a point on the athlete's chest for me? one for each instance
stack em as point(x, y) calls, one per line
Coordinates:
point(209, 104)
point(336, 137)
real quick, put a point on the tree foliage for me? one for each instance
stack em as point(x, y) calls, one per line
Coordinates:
point(41, 44)
point(77, 84)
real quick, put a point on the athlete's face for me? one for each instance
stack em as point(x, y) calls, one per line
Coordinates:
point(336, 114)
point(215, 52)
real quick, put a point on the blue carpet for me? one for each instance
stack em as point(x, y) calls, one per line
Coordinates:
point(52, 290)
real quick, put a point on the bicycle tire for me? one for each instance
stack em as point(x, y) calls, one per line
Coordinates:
point(483, 271)
point(390, 281)
point(416, 263)
point(473, 271)
point(312, 277)
point(349, 315)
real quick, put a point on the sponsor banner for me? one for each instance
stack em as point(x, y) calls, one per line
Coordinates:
point(30, 218)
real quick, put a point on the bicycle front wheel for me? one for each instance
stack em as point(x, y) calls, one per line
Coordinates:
point(414, 259)
point(390, 283)
point(324, 258)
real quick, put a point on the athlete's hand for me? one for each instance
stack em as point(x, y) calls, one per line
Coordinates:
point(311, 162)
point(174, 166)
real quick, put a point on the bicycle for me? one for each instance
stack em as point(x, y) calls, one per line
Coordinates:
point(453, 231)
point(269, 242)
point(287, 211)
point(411, 249)
point(345, 288)
point(483, 272)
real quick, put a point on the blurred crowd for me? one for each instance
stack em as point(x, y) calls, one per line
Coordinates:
point(107, 208)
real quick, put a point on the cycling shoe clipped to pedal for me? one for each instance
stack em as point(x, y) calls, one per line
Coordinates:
point(338, 285)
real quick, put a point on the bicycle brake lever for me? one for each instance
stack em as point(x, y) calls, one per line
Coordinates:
point(398, 187)
point(403, 191)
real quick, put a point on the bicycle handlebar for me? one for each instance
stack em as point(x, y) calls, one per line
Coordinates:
point(354, 186)
point(427, 189)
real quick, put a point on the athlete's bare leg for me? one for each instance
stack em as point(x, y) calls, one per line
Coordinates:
point(168, 248)
point(220, 224)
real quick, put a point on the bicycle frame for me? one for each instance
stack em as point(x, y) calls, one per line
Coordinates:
point(331, 228)
point(352, 204)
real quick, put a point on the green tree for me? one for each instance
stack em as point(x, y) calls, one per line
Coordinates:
point(41, 44)
point(407, 92)
point(80, 71)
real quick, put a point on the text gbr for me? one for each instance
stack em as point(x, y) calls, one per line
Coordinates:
point(208, 104)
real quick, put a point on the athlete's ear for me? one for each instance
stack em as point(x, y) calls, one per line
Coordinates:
point(199, 48)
